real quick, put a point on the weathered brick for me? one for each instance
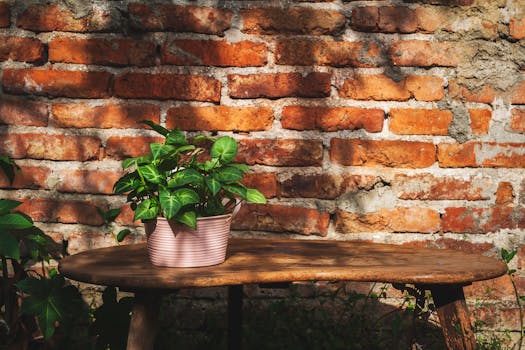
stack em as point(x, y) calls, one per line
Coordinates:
point(480, 120)
point(53, 147)
point(121, 147)
point(175, 18)
point(81, 241)
point(419, 121)
point(33, 177)
point(117, 52)
point(283, 152)
point(324, 186)
point(482, 220)
point(505, 193)
point(281, 218)
point(327, 53)
point(214, 53)
point(444, 2)
point(430, 187)
point(332, 119)
point(264, 182)
point(518, 93)
point(461, 245)
point(122, 115)
point(517, 120)
point(484, 95)
point(402, 154)
point(5, 15)
point(220, 118)
point(22, 112)
point(55, 83)
point(494, 289)
point(500, 316)
point(168, 86)
point(126, 217)
point(48, 18)
point(292, 20)
point(478, 154)
point(63, 211)
point(87, 181)
point(395, 19)
point(279, 85)
point(425, 53)
point(422, 220)
point(382, 88)
point(20, 49)
point(517, 28)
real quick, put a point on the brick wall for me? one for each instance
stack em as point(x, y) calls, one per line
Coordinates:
point(390, 121)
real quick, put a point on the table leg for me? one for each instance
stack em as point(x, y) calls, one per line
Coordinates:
point(144, 321)
point(454, 316)
point(235, 317)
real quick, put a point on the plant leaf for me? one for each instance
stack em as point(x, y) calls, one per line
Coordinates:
point(188, 218)
point(187, 196)
point(9, 245)
point(156, 149)
point(6, 205)
point(242, 167)
point(170, 203)
point(213, 185)
point(254, 196)
point(8, 166)
point(158, 128)
point(236, 189)
point(225, 148)
point(123, 234)
point(176, 138)
point(150, 173)
point(126, 183)
point(228, 174)
point(15, 221)
point(184, 177)
point(147, 209)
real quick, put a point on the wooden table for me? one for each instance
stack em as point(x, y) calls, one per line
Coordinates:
point(443, 272)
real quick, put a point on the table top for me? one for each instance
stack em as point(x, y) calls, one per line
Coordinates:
point(275, 260)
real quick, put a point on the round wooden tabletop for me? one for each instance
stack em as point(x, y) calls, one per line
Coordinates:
point(272, 260)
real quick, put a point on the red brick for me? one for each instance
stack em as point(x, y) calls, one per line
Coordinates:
point(292, 20)
point(444, 2)
point(419, 121)
point(22, 112)
point(461, 245)
point(87, 181)
point(478, 154)
point(425, 53)
point(126, 217)
point(480, 121)
point(517, 28)
point(280, 218)
point(20, 49)
point(430, 187)
point(401, 154)
point(422, 220)
point(499, 316)
point(122, 115)
point(214, 53)
point(33, 177)
point(325, 186)
point(264, 182)
point(395, 19)
point(63, 211)
point(56, 83)
point(504, 194)
point(5, 15)
point(53, 147)
point(121, 147)
point(499, 289)
point(283, 152)
point(517, 120)
point(174, 18)
point(382, 88)
point(114, 52)
point(168, 86)
point(332, 119)
point(48, 18)
point(279, 85)
point(518, 93)
point(327, 53)
point(482, 220)
point(220, 118)
point(484, 95)
point(79, 242)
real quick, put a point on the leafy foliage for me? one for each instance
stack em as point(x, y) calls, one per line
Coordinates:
point(182, 179)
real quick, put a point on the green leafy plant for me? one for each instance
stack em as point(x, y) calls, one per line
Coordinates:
point(182, 179)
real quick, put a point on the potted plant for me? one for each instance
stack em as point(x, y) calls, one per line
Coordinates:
point(186, 192)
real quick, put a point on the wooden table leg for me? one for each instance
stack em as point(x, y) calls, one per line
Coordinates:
point(235, 317)
point(144, 321)
point(454, 316)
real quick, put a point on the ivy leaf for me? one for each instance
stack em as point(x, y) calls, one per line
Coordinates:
point(6, 205)
point(9, 245)
point(150, 173)
point(158, 128)
point(170, 203)
point(188, 218)
point(213, 185)
point(156, 149)
point(8, 166)
point(176, 138)
point(228, 174)
point(123, 234)
point(147, 209)
point(237, 189)
point(254, 196)
point(187, 196)
point(15, 221)
point(184, 177)
point(126, 183)
point(508, 256)
point(225, 148)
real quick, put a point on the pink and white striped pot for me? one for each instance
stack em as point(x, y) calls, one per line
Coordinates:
point(174, 245)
